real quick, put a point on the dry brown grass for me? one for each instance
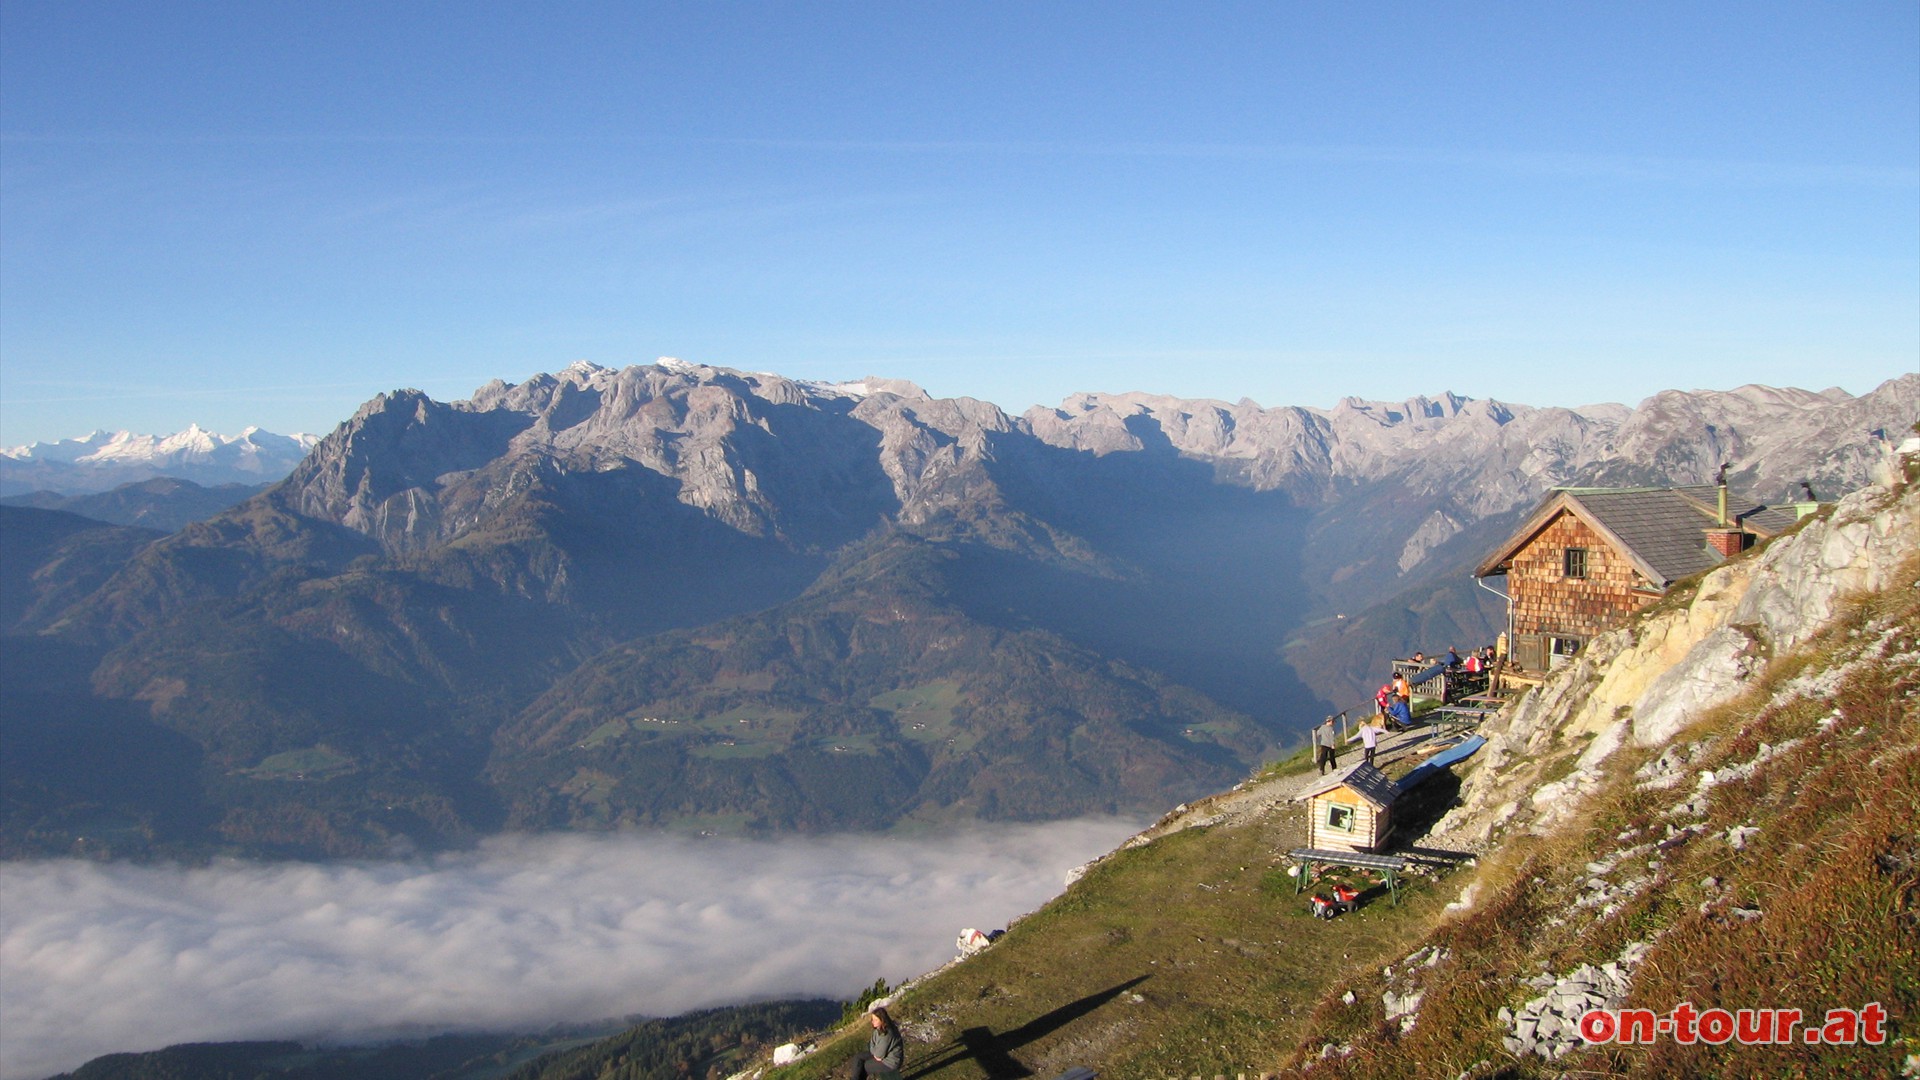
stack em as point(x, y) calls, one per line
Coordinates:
point(1834, 873)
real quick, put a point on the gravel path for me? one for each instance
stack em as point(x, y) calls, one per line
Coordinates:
point(1255, 798)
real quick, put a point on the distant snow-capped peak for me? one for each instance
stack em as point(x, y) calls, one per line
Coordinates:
point(102, 460)
point(127, 447)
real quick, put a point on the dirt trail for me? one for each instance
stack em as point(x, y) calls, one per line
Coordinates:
point(1255, 798)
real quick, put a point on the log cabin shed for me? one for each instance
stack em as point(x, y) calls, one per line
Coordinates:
point(1587, 558)
point(1351, 810)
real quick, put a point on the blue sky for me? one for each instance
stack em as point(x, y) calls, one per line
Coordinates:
point(267, 213)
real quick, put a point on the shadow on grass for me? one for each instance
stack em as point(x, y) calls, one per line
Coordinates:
point(993, 1052)
point(1434, 856)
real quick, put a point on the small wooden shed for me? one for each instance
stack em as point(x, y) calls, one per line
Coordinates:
point(1351, 810)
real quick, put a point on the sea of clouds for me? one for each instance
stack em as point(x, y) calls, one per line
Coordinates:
point(523, 932)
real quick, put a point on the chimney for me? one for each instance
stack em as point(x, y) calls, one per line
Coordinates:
point(1728, 542)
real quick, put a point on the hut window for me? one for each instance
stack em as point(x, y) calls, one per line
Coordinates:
point(1562, 650)
point(1576, 562)
point(1340, 817)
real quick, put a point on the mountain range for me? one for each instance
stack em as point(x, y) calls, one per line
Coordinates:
point(687, 595)
point(104, 460)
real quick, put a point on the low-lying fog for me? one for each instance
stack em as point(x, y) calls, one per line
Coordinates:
point(97, 958)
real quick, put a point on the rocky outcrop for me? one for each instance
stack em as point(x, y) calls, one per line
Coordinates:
point(1549, 1025)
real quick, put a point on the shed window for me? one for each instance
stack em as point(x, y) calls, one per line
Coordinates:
point(1576, 562)
point(1340, 817)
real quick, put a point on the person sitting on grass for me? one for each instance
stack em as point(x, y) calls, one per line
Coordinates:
point(886, 1051)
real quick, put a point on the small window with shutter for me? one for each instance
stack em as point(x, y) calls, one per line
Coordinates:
point(1576, 562)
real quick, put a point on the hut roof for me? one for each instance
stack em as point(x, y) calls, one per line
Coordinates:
point(1658, 529)
point(1365, 780)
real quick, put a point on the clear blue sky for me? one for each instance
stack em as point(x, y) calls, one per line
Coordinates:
point(268, 212)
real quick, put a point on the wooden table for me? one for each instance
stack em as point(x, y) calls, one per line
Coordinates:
point(1392, 865)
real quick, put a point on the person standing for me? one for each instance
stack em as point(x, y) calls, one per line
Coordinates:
point(886, 1051)
point(1325, 740)
point(1369, 736)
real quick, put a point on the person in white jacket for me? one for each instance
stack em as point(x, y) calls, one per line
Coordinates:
point(1369, 736)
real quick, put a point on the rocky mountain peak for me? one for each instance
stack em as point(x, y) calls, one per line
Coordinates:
point(769, 456)
point(814, 463)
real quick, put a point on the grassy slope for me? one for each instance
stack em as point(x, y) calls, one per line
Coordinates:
point(1188, 955)
point(1182, 958)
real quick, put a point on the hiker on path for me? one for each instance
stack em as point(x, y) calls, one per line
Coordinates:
point(1325, 742)
point(886, 1051)
point(1369, 736)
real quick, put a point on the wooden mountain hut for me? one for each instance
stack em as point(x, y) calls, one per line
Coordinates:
point(1589, 557)
point(1351, 810)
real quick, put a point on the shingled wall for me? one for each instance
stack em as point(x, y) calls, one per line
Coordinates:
point(1546, 601)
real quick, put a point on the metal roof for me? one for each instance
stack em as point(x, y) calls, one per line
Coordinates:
point(1366, 781)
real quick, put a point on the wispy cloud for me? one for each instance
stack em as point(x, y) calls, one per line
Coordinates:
point(1622, 167)
point(282, 138)
point(122, 392)
point(1638, 168)
point(527, 931)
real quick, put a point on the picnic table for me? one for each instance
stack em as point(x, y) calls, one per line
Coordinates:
point(1392, 865)
point(1450, 719)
